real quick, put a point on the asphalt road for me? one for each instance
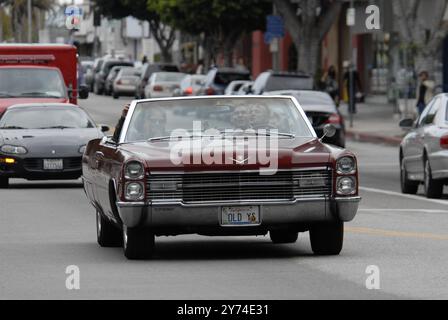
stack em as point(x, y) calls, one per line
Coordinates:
point(45, 227)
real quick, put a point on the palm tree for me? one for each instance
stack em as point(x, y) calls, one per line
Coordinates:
point(18, 12)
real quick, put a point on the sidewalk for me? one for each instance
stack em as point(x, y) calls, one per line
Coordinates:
point(375, 121)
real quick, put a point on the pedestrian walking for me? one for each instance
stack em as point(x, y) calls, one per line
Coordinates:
point(329, 83)
point(357, 88)
point(425, 91)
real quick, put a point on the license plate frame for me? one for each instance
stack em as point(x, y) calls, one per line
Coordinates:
point(240, 216)
point(53, 164)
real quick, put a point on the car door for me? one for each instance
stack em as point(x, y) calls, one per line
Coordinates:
point(106, 160)
point(433, 132)
point(413, 150)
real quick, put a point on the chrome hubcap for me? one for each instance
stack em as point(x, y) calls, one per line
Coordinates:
point(125, 237)
point(426, 175)
point(98, 222)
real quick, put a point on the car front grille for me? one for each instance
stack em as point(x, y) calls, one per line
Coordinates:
point(37, 164)
point(239, 186)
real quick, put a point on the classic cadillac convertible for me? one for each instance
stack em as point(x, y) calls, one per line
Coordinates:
point(221, 165)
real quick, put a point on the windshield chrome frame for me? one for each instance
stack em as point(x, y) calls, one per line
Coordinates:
point(134, 103)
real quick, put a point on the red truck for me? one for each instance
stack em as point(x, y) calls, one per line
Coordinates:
point(31, 73)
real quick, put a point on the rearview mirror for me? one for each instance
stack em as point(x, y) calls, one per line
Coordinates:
point(406, 123)
point(103, 128)
point(329, 131)
point(83, 91)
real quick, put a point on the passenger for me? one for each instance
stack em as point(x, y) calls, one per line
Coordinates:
point(150, 123)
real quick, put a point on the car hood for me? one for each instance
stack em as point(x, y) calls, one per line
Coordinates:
point(50, 142)
point(7, 102)
point(291, 153)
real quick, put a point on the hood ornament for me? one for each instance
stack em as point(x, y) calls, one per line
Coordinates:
point(239, 160)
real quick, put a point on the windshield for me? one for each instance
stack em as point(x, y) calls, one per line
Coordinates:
point(169, 76)
point(31, 82)
point(224, 78)
point(45, 117)
point(224, 115)
point(289, 83)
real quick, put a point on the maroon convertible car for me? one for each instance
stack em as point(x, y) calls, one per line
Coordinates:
point(220, 165)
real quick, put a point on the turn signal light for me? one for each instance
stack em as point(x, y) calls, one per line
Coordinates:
point(157, 88)
point(444, 142)
point(189, 90)
point(8, 160)
point(209, 91)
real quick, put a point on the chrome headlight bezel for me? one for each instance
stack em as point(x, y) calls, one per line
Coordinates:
point(11, 149)
point(137, 197)
point(346, 165)
point(349, 192)
point(138, 174)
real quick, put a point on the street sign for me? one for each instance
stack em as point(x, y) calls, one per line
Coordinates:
point(350, 18)
point(275, 28)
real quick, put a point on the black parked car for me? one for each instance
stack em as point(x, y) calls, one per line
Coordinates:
point(320, 110)
point(273, 81)
point(101, 76)
point(147, 71)
point(217, 80)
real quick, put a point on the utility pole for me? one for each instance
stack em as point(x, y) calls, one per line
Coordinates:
point(30, 27)
point(351, 16)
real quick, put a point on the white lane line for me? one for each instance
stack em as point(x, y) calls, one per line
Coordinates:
point(403, 210)
point(398, 194)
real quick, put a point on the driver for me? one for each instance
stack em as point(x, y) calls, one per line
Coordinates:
point(149, 123)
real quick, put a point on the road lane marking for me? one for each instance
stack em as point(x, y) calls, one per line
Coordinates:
point(391, 233)
point(403, 210)
point(398, 194)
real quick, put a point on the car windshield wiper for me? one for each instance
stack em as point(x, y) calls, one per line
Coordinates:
point(12, 127)
point(40, 94)
point(256, 133)
point(192, 136)
point(57, 127)
point(6, 95)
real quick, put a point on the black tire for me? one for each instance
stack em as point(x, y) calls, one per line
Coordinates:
point(407, 186)
point(107, 234)
point(327, 238)
point(138, 243)
point(4, 183)
point(115, 95)
point(283, 236)
point(433, 188)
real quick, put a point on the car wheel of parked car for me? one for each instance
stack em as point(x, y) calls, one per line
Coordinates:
point(283, 236)
point(115, 95)
point(433, 188)
point(138, 243)
point(407, 186)
point(107, 234)
point(4, 183)
point(327, 238)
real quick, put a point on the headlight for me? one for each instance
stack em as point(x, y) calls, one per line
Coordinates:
point(346, 185)
point(346, 165)
point(13, 149)
point(134, 170)
point(134, 191)
point(82, 150)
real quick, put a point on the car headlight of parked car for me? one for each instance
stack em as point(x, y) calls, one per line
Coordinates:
point(9, 149)
point(346, 165)
point(134, 191)
point(346, 185)
point(134, 170)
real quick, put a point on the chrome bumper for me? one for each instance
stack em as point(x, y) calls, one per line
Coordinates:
point(178, 214)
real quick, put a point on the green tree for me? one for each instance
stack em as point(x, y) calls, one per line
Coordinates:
point(118, 9)
point(18, 10)
point(222, 22)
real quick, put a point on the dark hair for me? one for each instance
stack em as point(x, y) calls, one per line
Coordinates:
point(425, 73)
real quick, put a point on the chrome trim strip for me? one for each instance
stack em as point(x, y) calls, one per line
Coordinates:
point(131, 204)
point(342, 199)
point(237, 203)
point(235, 171)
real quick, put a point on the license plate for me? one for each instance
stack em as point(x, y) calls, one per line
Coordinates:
point(53, 164)
point(241, 215)
point(125, 81)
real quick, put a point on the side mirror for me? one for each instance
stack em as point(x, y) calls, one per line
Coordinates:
point(83, 91)
point(329, 131)
point(407, 123)
point(104, 128)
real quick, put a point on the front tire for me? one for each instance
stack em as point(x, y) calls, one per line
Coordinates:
point(407, 186)
point(4, 183)
point(433, 188)
point(327, 238)
point(107, 234)
point(138, 243)
point(283, 236)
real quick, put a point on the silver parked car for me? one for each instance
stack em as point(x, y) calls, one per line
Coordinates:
point(424, 150)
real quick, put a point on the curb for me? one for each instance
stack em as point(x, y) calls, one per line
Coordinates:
point(373, 138)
